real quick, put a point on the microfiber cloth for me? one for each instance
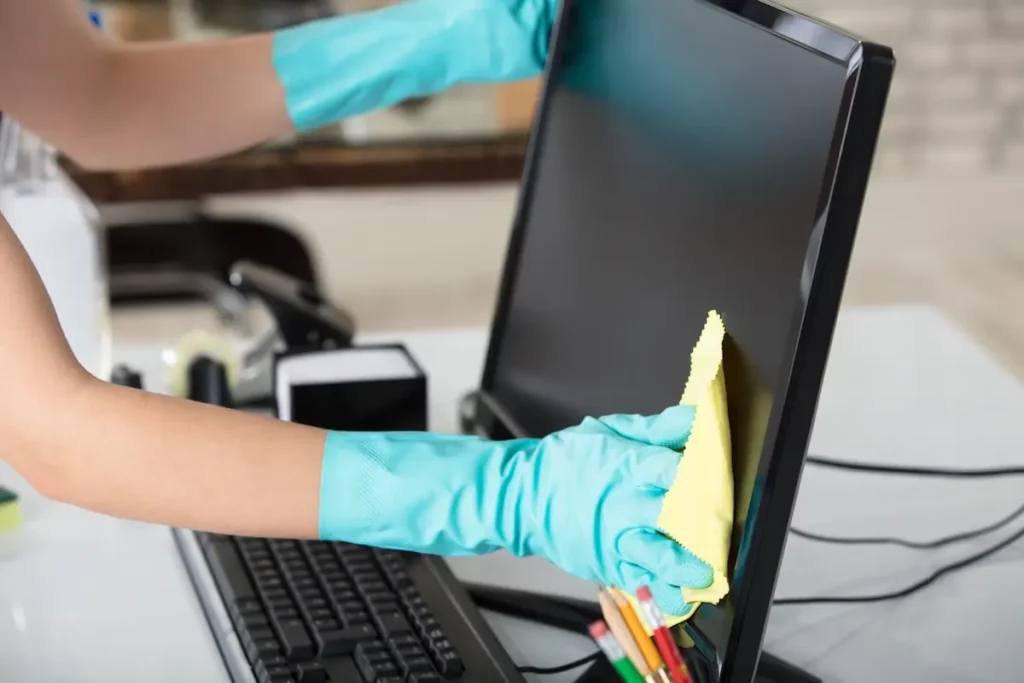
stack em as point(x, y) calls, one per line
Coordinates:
point(10, 511)
point(698, 508)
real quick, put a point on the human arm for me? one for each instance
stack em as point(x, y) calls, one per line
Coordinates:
point(113, 105)
point(586, 498)
point(137, 455)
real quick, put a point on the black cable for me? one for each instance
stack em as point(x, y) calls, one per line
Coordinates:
point(915, 471)
point(592, 657)
point(920, 585)
point(916, 545)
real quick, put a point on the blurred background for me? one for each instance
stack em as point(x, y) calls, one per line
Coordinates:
point(406, 212)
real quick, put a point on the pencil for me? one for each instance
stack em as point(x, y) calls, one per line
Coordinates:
point(618, 627)
point(616, 655)
point(666, 644)
point(648, 648)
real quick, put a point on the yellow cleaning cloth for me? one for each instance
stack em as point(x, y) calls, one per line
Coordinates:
point(10, 511)
point(698, 509)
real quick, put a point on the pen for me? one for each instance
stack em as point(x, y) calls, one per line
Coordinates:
point(616, 655)
point(629, 616)
point(614, 620)
point(666, 645)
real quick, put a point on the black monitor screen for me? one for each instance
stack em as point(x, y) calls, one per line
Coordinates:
point(682, 164)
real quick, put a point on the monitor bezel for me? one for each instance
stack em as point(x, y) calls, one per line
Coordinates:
point(869, 73)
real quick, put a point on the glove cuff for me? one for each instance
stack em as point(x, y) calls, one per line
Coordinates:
point(432, 493)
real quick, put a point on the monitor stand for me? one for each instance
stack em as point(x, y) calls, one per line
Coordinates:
point(576, 615)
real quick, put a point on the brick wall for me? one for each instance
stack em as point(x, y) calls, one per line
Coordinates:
point(957, 101)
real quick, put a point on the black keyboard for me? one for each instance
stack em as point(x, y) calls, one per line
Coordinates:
point(312, 612)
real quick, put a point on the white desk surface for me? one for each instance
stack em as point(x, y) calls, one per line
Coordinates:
point(89, 598)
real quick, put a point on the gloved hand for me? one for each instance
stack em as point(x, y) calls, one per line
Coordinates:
point(351, 64)
point(586, 498)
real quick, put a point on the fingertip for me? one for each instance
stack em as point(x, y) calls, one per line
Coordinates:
point(680, 567)
point(669, 599)
point(665, 559)
point(671, 428)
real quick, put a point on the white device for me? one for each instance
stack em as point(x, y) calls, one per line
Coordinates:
point(60, 229)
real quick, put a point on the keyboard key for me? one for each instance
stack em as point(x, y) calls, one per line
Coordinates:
point(271, 672)
point(252, 621)
point(266, 573)
point(429, 628)
point(371, 586)
point(256, 650)
point(284, 544)
point(352, 550)
point(332, 572)
point(326, 624)
point(424, 678)
point(229, 572)
point(289, 612)
point(385, 608)
point(276, 595)
point(376, 670)
point(359, 565)
point(261, 565)
point(392, 624)
point(345, 595)
point(295, 641)
point(311, 673)
point(380, 596)
point(307, 591)
point(245, 607)
point(282, 603)
point(274, 660)
point(344, 641)
point(262, 633)
point(342, 670)
point(350, 606)
point(314, 603)
point(415, 665)
point(270, 583)
point(449, 662)
point(319, 613)
point(403, 641)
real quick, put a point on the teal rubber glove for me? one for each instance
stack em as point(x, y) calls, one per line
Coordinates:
point(351, 64)
point(586, 498)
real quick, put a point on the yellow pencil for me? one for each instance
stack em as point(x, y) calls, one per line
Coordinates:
point(615, 622)
point(647, 646)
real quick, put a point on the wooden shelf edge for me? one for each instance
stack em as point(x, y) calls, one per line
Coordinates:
point(268, 170)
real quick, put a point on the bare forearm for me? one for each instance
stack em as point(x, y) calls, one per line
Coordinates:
point(141, 456)
point(120, 105)
point(169, 103)
point(132, 454)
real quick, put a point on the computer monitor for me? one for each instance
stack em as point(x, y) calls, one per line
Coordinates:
point(688, 156)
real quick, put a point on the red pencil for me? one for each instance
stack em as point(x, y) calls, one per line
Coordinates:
point(662, 638)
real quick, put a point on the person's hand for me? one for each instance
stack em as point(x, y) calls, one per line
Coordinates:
point(352, 64)
point(586, 498)
point(592, 494)
point(500, 40)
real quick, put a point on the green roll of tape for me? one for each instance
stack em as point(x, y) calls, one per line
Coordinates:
point(10, 510)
